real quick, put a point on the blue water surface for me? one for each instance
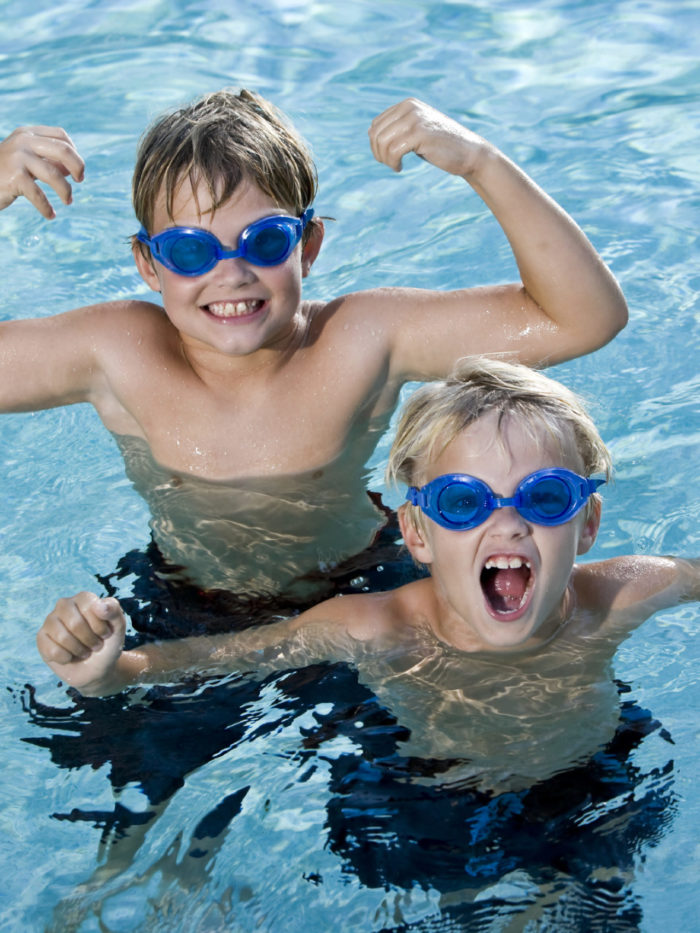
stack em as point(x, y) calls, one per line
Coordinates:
point(600, 103)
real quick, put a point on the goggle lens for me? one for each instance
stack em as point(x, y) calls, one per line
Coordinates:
point(270, 246)
point(190, 254)
point(460, 503)
point(548, 499)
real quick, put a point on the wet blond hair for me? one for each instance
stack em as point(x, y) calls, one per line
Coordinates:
point(218, 141)
point(435, 414)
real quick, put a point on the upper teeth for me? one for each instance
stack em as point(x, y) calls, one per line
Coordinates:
point(231, 308)
point(506, 563)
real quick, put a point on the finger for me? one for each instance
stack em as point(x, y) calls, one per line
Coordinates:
point(51, 652)
point(108, 609)
point(41, 129)
point(75, 619)
point(33, 193)
point(55, 145)
point(391, 147)
point(393, 135)
point(62, 648)
point(104, 616)
point(40, 168)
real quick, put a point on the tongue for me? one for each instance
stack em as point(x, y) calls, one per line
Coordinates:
point(505, 588)
point(510, 582)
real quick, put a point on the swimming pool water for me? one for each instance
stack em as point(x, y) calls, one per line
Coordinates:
point(600, 103)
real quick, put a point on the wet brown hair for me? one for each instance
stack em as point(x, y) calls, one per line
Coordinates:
point(219, 140)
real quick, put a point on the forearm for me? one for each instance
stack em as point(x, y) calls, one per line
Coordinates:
point(162, 662)
point(561, 272)
point(260, 648)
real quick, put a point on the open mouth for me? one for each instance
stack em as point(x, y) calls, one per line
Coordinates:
point(234, 309)
point(506, 582)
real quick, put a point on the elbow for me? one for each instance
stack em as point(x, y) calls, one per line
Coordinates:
point(620, 318)
point(611, 323)
point(618, 313)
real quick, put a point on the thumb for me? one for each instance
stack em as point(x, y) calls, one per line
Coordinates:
point(109, 610)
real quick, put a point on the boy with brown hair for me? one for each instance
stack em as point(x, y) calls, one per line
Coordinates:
point(245, 414)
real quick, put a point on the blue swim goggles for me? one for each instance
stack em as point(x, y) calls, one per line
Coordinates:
point(545, 497)
point(191, 251)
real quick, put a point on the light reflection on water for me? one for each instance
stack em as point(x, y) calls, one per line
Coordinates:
point(600, 104)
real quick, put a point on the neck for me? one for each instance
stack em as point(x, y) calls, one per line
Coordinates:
point(451, 629)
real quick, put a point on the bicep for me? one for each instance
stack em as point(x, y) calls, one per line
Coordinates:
point(45, 362)
point(429, 331)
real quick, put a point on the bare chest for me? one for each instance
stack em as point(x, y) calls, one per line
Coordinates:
point(279, 421)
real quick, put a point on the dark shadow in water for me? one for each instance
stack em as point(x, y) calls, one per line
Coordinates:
point(389, 819)
point(155, 743)
point(575, 835)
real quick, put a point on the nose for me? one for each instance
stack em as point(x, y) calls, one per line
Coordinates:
point(234, 271)
point(507, 522)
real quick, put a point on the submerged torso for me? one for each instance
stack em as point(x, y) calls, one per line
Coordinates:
point(253, 535)
point(251, 481)
point(503, 723)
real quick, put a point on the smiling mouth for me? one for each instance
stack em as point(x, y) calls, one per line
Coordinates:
point(231, 309)
point(506, 582)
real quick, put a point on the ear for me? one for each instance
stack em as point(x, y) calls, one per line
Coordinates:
point(414, 537)
point(589, 531)
point(145, 266)
point(312, 247)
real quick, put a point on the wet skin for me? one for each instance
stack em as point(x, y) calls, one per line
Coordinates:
point(236, 309)
point(478, 605)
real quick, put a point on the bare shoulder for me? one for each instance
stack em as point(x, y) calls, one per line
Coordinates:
point(139, 316)
point(77, 349)
point(120, 321)
point(635, 581)
point(125, 334)
point(394, 303)
point(367, 326)
point(365, 617)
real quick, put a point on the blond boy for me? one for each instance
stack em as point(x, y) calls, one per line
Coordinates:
point(501, 654)
point(245, 414)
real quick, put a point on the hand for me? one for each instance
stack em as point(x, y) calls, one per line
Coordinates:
point(38, 153)
point(82, 639)
point(412, 126)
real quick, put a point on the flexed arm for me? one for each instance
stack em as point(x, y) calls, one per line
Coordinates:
point(43, 361)
point(568, 304)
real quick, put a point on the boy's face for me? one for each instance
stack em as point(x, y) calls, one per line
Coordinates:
point(479, 605)
point(236, 308)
